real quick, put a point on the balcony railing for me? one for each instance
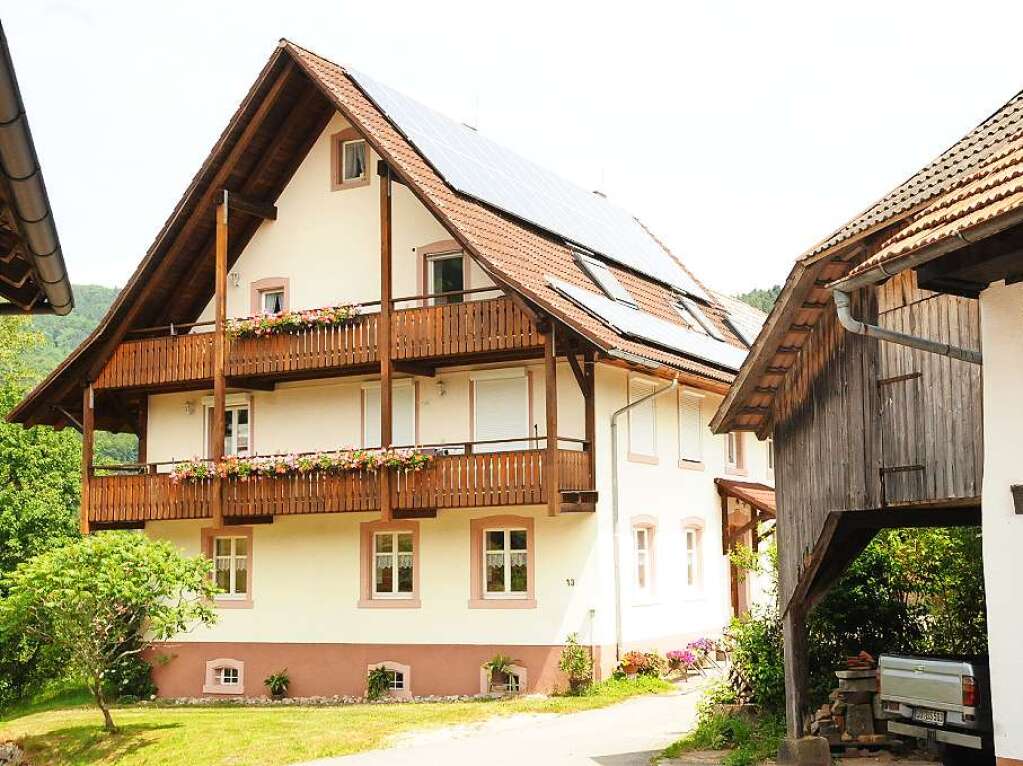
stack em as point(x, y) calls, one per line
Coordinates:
point(469, 480)
point(452, 330)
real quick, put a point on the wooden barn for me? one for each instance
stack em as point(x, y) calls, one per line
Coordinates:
point(868, 376)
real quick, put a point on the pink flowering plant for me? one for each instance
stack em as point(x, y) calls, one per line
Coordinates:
point(341, 461)
point(702, 648)
point(291, 322)
point(679, 659)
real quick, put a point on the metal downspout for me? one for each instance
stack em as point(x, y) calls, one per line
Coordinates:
point(843, 309)
point(614, 506)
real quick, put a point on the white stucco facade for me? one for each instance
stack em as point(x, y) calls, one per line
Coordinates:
point(1001, 308)
point(306, 573)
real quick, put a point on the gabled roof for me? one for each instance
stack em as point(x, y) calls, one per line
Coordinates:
point(760, 496)
point(286, 109)
point(806, 294)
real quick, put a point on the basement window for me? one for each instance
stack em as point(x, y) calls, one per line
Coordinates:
point(604, 279)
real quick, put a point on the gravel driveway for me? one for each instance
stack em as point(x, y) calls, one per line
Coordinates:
point(626, 734)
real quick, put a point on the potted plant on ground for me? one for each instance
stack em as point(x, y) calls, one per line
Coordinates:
point(277, 683)
point(499, 668)
point(680, 661)
point(632, 663)
point(577, 664)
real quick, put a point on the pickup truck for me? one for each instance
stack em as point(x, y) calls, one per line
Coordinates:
point(938, 699)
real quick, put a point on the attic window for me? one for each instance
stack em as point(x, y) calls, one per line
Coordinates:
point(693, 315)
point(349, 160)
point(604, 279)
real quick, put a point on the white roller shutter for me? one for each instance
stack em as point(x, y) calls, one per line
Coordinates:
point(501, 411)
point(690, 428)
point(403, 414)
point(642, 429)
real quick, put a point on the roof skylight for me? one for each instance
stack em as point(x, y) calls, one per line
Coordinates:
point(693, 315)
point(604, 279)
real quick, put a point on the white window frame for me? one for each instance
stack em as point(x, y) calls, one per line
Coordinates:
point(735, 460)
point(394, 593)
point(642, 559)
point(694, 399)
point(220, 676)
point(232, 558)
point(392, 680)
point(692, 556)
point(345, 178)
point(264, 294)
point(233, 402)
point(431, 262)
point(507, 593)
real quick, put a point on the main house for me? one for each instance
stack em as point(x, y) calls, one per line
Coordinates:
point(869, 376)
point(349, 269)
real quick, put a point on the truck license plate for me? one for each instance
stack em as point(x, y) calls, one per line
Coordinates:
point(929, 716)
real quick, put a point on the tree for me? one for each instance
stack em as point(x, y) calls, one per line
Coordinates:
point(761, 299)
point(106, 597)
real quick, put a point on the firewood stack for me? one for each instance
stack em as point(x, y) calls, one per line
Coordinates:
point(853, 718)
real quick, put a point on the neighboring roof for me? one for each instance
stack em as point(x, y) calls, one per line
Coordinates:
point(285, 110)
point(746, 320)
point(806, 294)
point(32, 273)
point(758, 495)
point(993, 190)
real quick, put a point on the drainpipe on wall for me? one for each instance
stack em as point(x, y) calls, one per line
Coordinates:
point(614, 504)
point(842, 307)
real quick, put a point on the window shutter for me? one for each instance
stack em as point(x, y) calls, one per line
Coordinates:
point(403, 414)
point(690, 428)
point(642, 435)
point(501, 412)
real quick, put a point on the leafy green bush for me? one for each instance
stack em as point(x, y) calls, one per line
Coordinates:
point(750, 741)
point(576, 662)
point(378, 684)
point(129, 679)
point(757, 656)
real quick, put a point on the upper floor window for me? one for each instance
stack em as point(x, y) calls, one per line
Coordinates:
point(445, 273)
point(393, 564)
point(500, 409)
point(690, 427)
point(642, 540)
point(692, 556)
point(403, 414)
point(505, 563)
point(642, 425)
point(735, 457)
point(349, 160)
point(273, 301)
point(237, 428)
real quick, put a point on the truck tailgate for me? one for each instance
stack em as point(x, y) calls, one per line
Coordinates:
point(917, 681)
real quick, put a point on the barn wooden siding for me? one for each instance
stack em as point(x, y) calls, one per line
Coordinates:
point(861, 424)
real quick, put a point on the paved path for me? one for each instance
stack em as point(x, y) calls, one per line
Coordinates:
point(627, 734)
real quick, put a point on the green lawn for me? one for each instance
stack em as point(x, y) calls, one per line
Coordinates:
point(71, 735)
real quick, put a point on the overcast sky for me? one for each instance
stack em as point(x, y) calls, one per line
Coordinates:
point(740, 132)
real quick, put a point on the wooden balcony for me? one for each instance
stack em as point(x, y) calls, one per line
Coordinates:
point(447, 333)
point(451, 481)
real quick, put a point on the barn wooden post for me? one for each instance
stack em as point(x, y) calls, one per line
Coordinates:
point(551, 473)
point(796, 674)
point(590, 415)
point(219, 361)
point(384, 338)
point(88, 436)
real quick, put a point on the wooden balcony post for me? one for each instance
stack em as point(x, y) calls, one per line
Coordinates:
point(551, 469)
point(384, 336)
point(88, 436)
point(219, 360)
point(796, 664)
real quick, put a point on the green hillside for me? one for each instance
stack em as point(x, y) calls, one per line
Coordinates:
point(61, 336)
point(761, 299)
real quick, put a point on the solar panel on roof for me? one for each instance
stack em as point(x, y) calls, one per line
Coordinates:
point(642, 326)
point(480, 168)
